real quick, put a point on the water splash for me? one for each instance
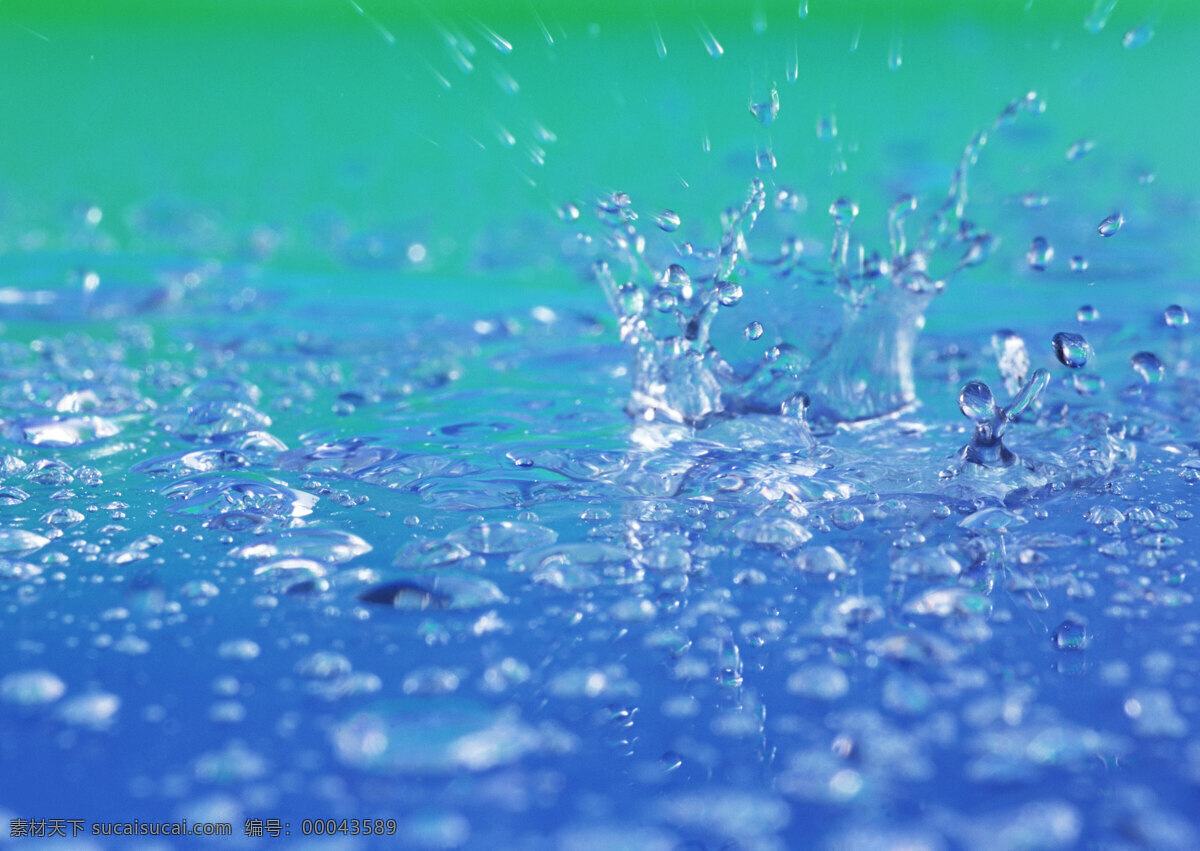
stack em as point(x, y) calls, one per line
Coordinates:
point(847, 349)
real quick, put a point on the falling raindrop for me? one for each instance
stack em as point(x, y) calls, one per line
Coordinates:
point(1111, 225)
point(1138, 36)
point(768, 110)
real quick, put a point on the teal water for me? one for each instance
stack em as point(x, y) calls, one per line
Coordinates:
point(340, 482)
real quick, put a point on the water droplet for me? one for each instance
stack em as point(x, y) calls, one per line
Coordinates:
point(1080, 149)
point(1040, 253)
point(1012, 359)
point(1071, 349)
point(895, 53)
point(1071, 634)
point(1111, 225)
point(1138, 36)
point(754, 331)
point(765, 160)
point(1087, 314)
point(846, 517)
point(1098, 17)
point(1034, 200)
point(710, 42)
point(844, 211)
point(729, 293)
point(1078, 263)
point(1087, 383)
point(667, 220)
point(1176, 316)
point(1148, 366)
point(977, 402)
point(827, 128)
point(767, 110)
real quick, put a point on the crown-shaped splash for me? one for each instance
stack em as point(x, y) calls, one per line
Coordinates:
point(846, 354)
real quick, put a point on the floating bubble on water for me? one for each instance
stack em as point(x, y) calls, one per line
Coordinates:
point(1111, 224)
point(1176, 316)
point(96, 710)
point(819, 682)
point(1154, 714)
point(31, 688)
point(1080, 149)
point(1071, 634)
point(846, 517)
point(1040, 253)
point(774, 532)
point(1138, 36)
point(667, 220)
point(927, 563)
point(413, 736)
point(241, 649)
point(502, 537)
point(766, 111)
point(217, 493)
point(1098, 17)
point(327, 545)
point(1071, 349)
point(1148, 366)
point(442, 591)
point(58, 431)
point(825, 561)
point(20, 542)
point(324, 664)
point(1087, 314)
point(754, 331)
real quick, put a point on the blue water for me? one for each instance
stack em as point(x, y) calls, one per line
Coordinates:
point(282, 544)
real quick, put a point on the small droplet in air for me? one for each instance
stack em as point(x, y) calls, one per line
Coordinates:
point(568, 212)
point(729, 293)
point(1111, 225)
point(1040, 253)
point(793, 64)
point(895, 55)
point(494, 38)
point(665, 302)
point(1148, 366)
point(1071, 349)
point(1079, 150)
point(1034, 200)
point(754, 330)
point(1079, 263)
point(766, 111)
point(1138, 36)
point(668, 220)
point(1087, 314)
point(827, 128)
point(794, 406)
point(804, 9)
point(977, 402)
point(1176, 316)
point(1098, 17)
point(1087, 383)
point(843, 211)
point(710, 42)
point(765, 160)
